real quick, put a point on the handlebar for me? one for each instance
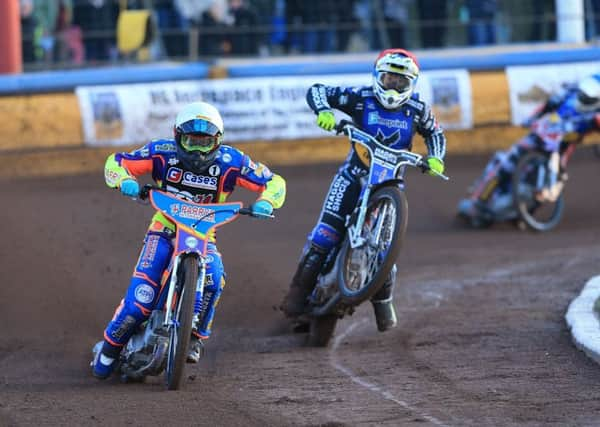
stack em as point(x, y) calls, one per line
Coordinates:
point(343, 125)
point(145, 193)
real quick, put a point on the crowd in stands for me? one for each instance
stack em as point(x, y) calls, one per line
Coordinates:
point(84, 32)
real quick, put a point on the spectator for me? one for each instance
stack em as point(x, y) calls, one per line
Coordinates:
point(173, 28)
point(433, 16)
point(45, 14)
point(98, 20)
point(481, 15)
point(244, 39)
point(364, 12)
point(347, 23)
point(192, 10)
point(271, 20)
point(319, 18)
point(593, 22)
point(544, 26)
point(28, 24)
point(213, 26)
point(293, 24)
point(69, 43)
point(395, 13)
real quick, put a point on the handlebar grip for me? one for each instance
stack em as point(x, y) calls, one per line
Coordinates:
point(145, 191)
point(339, 128)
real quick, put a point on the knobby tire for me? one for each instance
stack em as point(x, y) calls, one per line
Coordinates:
point(185, 310)
point(398, 198)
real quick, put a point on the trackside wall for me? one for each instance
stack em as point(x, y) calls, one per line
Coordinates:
point(42, 129)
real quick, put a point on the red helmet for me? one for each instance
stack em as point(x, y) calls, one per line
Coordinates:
point(395, 77)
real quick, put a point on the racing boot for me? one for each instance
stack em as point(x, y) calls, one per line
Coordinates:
point(195, 350)
point(106, 359)
point(303, 282)
point(383, 306)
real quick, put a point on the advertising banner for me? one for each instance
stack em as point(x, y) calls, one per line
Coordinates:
point(271, 108)
point(531, 86)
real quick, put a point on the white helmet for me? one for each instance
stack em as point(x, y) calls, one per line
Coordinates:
point(395, 77)
point(588, 93)
point(198, 134)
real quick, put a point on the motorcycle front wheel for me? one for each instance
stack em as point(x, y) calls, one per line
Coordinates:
point(181, 328)
point(537, 215)
point(364, 269)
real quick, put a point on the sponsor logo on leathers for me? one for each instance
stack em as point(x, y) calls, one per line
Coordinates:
point(174, 174)
point(336, 194)
point(199, 181)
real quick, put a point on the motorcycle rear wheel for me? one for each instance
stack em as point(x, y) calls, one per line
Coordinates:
point(321, 330)
point(181, 329)
point(535, 215)
point(375, 263)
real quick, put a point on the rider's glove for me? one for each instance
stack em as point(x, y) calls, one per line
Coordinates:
point(130, 187)
point(435, 165)
point(326, 120)
point(261, 208)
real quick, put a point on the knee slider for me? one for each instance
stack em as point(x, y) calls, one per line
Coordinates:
point(325, 236)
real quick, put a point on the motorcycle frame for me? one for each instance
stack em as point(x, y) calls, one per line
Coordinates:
point(190, 239)
point(386, 166)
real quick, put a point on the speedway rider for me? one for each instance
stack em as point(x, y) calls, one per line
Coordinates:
point(574, 112)
point(197, 164)
point(391, 111)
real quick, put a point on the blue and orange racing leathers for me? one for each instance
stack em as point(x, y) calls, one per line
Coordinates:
point(230, 168)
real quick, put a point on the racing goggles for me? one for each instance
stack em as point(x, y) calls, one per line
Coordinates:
point(200, 142)
point(394, 81)
point(585, 99)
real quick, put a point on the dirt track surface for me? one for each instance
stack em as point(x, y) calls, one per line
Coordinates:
point(481, 339)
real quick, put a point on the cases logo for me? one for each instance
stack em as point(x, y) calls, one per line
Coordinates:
point(200, 181)
point(174, 174)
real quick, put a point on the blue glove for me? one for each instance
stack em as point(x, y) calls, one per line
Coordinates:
point(261, 208)
point(130, 188)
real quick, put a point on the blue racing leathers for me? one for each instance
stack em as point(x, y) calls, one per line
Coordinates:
point(557, 127)
point(394, 128)
point(230, 168)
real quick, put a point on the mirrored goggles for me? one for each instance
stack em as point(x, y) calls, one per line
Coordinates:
point(584, 99)
point(201, 143)
point(394, 81)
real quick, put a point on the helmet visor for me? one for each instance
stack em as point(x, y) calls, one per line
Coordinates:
point(198, 126)
point(585, 99)
point(201, 143)
point(394, 81)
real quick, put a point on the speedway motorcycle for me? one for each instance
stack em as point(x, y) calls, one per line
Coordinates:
point(536, 196)
point(161, 343)
point(375, 230)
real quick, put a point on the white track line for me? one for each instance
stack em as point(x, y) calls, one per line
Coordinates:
point(370, 386)
point(470, 280)
point(467, 281)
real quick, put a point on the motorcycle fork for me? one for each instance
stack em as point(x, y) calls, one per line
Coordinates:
point(548, 186)
point(355, 230)
point(173, 286)
point(376, 234)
